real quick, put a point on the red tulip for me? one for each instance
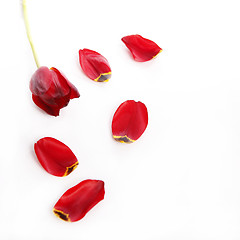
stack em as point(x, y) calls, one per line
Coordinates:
point(142, 49)
point(51, 90)
point(78, 200)
point(129, 121)
point(94, 65)
point(55, 157)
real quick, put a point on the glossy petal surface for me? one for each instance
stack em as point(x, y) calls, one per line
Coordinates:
point(142, 49)
point(129, 121)
point(55, 157)
point(51, 90)
point(78, 200)
point(94, 65)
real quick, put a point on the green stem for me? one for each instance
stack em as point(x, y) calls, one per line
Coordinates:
point(28, 32)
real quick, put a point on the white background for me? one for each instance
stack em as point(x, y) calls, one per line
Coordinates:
point(181, 179)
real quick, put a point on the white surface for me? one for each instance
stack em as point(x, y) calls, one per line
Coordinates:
point(180, 180)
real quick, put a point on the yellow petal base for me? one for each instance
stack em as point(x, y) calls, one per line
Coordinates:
point(123, 139)
point(157, 53)
point(70, 169)
point(101, 75)
point(62, 215)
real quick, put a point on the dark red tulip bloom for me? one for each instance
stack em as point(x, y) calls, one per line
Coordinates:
point(94, 65)
point(129, 121)
point(141, 48)
point(78, 200)
point(55, 157)
point(51, 90)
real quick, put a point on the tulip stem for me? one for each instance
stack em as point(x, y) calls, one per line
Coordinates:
point(28, 32)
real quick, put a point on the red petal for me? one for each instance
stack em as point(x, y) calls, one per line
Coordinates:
point(94, 65)
point(141, 48)
point(41, 81)
point(78, 200)
point(74, 91)
point(129, 121)
point(50, 109)
point(55, 157)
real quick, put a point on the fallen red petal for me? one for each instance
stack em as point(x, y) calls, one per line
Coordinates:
point(94, 65)
point(78, 200)
point(51, 90)
point(142, 49)
point(55, 157)
point(129, 121)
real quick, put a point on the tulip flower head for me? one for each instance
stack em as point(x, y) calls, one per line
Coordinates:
point(51, 90)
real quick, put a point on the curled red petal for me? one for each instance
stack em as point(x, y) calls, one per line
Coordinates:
point(142, 49)
point(94, 65)
point(78, 200)
point(129, 121)
point(74, 92)
point(41, 81)
point(50, 109)
point(55, 157)
point(51, 90)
